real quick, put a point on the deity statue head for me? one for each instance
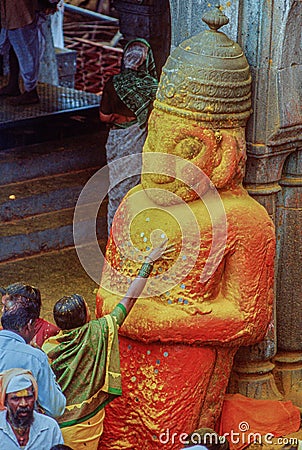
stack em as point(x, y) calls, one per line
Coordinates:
point(200, 112)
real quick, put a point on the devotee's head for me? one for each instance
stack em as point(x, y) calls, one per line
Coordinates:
point(20, 401)
point(19, 315)
point(21, 290)
point(71, 312)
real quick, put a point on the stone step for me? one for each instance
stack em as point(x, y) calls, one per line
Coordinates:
point(42, 233)
point(32, 197)
point(39, 187)
point(51, 158)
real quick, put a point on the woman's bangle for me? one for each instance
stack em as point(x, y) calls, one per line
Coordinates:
point(145, 270)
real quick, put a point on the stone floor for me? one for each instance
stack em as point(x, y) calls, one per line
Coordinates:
point(56, 274)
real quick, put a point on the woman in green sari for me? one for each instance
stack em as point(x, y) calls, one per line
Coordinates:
point(85, 358)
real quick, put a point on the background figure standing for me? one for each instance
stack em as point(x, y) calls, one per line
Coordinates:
point(56, 21)
point(21, 36)
point(126, 104)
point(12, 88)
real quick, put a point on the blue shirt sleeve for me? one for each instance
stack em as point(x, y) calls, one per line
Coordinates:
point(50, 397)
point(57, 437)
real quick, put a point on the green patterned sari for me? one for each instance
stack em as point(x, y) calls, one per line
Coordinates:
point(86, 363)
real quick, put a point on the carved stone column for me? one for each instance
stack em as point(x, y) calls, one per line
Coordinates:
point(269, 33)
point(252, 372)
point(186, 18)
point(288, 369)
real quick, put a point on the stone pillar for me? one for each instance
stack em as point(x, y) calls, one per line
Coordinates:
point(269, 35)
point(253, 369)
point(288, 369)
point(186, 19)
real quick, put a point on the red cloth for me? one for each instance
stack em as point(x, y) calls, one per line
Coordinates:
point(43, 330)
point(241, 417)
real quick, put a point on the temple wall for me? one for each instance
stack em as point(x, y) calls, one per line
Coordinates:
point(186, 19)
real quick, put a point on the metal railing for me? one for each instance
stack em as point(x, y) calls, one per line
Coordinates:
point(89, 13)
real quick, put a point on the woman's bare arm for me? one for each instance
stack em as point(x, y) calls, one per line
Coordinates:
point(138, 284)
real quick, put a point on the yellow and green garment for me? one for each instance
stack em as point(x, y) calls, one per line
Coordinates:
point(86, 363)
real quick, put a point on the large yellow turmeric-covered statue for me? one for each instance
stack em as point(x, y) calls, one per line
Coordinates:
point(215, 294)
